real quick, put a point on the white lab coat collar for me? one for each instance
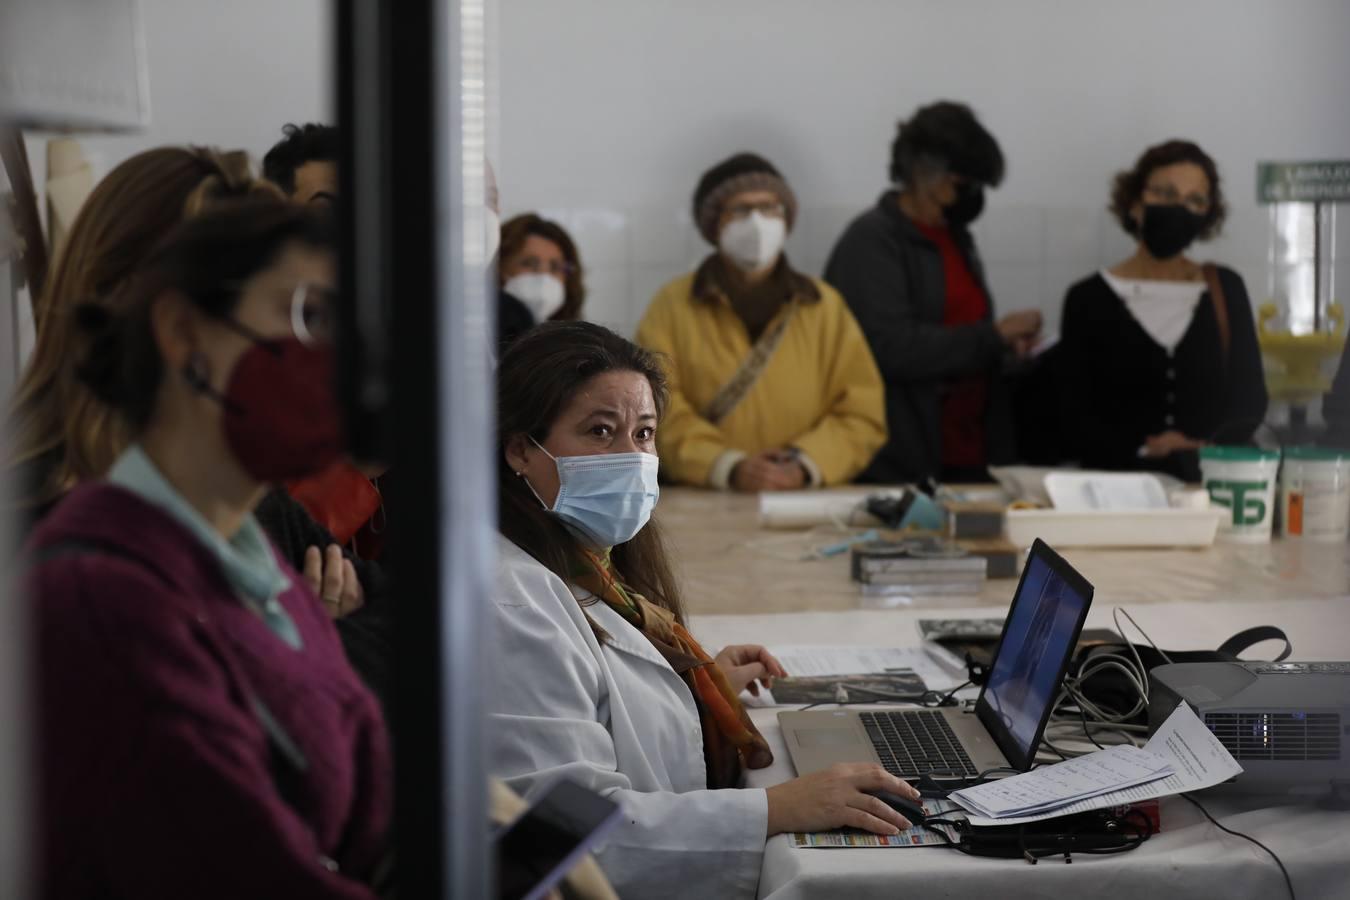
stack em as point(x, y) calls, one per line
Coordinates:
point(615, 718)
point(622, 635)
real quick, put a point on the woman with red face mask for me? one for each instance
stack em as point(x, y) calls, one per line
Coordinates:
point(201, 734)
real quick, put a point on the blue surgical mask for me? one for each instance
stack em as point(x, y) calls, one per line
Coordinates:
point(606, 498)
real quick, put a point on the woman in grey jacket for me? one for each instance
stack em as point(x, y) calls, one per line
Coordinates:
point(909, 271)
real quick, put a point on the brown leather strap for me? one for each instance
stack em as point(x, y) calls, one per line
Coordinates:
point(1220, 307)
point(729, 395)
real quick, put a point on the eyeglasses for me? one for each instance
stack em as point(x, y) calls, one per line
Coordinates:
point(312, 314)
point(770, 209)
point(308, 308)
point(556, 267)
point(1167, 194)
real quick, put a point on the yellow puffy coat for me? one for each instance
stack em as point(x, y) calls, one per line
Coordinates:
point(820, 393)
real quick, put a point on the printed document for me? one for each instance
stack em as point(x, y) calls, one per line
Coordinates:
point(1196, 757)
point(1052, 787)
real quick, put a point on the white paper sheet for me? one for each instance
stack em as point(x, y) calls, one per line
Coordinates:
point(1113, 492)
point(1051, 787)
point(1197, 759)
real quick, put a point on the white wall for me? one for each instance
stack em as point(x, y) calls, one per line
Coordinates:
point(611, 109)
point(223, 74)
point(228, 74)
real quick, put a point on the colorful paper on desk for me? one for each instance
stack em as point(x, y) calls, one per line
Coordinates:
point(849, 838)
point(1195, 755)
point(803, 661)
point(897, 686)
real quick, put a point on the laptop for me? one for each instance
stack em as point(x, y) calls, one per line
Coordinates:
point(1023, 681)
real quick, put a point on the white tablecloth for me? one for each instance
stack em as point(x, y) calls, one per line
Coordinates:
point(1191, 858)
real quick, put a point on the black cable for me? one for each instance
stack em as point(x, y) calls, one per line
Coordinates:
point(946, 698)
point(1026, 838)
point(1288, 882)
point(1053, 749)
point(1088, 731)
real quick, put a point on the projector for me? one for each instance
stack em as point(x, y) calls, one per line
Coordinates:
point(1286, 723)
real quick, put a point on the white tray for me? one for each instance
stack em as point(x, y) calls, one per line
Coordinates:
point(1136, 528)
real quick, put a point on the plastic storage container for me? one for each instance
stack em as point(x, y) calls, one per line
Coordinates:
point(1315, 494)
point(1243, 480)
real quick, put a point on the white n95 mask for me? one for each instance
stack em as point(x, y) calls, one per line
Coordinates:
point(606, 498)
point(753, 243)
point(541, 293)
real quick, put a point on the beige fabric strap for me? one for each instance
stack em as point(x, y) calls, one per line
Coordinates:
point(730, 395)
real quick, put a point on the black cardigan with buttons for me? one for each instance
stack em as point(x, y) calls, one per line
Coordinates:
point(1119, 386)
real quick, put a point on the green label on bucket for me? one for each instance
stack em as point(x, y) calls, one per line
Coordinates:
point(1242, 497)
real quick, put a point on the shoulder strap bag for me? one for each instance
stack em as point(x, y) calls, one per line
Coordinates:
point(730, 395)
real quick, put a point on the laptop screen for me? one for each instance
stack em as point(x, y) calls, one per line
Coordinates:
point(1038, 638)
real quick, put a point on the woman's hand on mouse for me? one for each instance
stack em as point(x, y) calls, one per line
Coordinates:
point(838, 797)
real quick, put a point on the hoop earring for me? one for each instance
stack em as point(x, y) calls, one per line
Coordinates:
point(195, 372)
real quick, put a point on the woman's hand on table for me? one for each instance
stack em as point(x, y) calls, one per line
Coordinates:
point(747, 666)
point(1157, 446)
point(772, 470)
point(838, 797)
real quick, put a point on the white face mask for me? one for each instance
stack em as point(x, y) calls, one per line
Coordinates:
point(753, 243)
point(493, 223)
point(541, 293)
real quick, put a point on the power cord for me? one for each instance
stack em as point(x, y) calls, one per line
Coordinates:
point(1288, 882)
point(1033, 844)
point(1074, 706)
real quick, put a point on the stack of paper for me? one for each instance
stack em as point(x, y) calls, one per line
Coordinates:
point(1194, 755)
point(887, 568)
point(1052, 787)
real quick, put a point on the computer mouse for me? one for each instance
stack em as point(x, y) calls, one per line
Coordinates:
point(910, 809)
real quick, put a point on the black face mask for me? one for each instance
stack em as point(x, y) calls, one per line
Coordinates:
point(967, 206)
point(1169, 229)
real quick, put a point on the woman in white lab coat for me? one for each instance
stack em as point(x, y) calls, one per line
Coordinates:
point(600, 682)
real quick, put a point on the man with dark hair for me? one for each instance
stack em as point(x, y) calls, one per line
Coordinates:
point(304, 163)
point(909, 271)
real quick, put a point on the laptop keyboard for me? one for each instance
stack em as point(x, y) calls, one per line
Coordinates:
point(915, 742)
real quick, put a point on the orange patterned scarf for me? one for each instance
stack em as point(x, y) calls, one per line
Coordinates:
point(730, 739)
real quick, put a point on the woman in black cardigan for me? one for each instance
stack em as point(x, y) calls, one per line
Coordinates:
point(1156, 361)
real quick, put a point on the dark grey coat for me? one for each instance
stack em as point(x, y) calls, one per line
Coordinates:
point(891, 277)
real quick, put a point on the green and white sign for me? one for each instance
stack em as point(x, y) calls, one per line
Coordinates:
point(1327, 181)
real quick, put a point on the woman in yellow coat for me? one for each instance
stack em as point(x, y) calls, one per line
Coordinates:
point(773, 386)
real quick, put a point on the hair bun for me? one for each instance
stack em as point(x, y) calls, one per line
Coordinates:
point(231, 177)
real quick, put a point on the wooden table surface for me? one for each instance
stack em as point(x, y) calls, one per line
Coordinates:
point(728, 564)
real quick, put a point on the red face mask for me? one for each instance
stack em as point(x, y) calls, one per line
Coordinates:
point(281, 417)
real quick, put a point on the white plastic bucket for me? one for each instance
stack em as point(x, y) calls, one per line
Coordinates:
point(1242, 479)
point(1315, 494)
